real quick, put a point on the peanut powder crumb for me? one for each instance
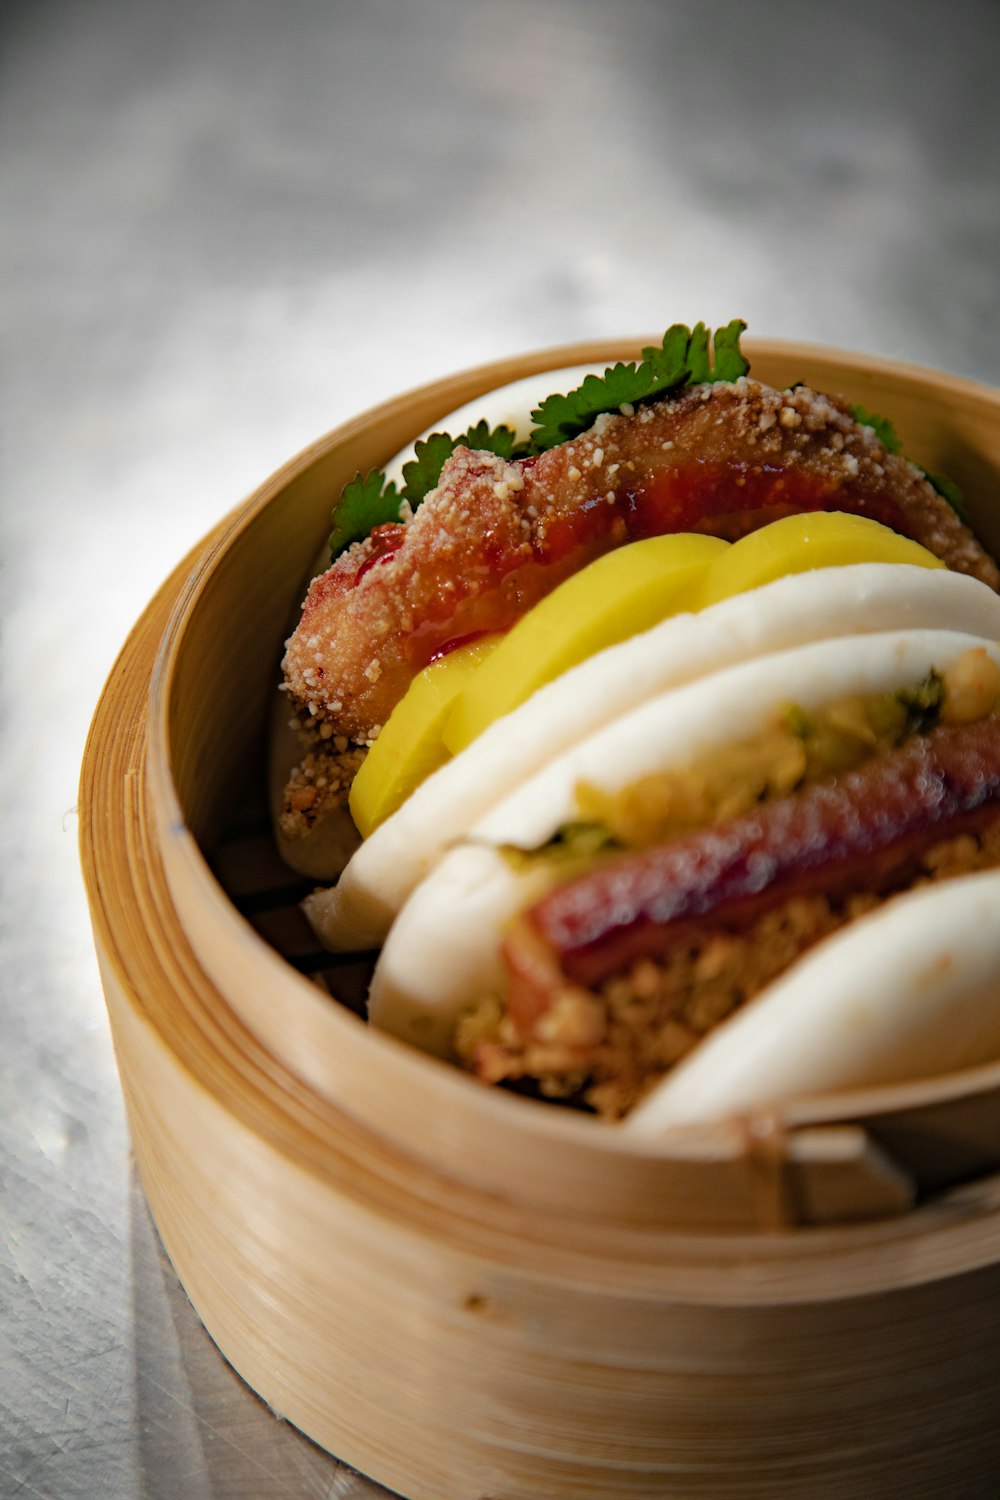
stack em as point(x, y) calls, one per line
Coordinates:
point(653, 1013)
point(318, 786)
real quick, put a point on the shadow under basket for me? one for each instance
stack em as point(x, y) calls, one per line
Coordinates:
point(472, 1296)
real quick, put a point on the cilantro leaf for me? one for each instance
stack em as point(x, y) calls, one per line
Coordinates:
point(881, 426)
point(500, 440)
point(888, 436)
point(698, 361)
point(559, 418)
point(948, 490)
point(922, 703)
point(364, 504)
point(730, 362)
point(422, 473)
point(682, 358)
point(670, 362)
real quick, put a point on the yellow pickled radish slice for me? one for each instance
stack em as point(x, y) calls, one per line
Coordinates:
point(617, 596)
point(410, 746)
point(796, 544)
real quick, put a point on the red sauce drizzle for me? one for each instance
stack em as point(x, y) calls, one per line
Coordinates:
point(386, 540)
point(447, 647)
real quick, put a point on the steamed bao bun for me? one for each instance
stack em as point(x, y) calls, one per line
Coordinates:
point(443, 951)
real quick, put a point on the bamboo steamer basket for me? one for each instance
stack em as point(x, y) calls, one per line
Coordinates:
point(470, 1296)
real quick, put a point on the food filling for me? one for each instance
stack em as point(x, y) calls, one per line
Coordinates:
point(681, 897)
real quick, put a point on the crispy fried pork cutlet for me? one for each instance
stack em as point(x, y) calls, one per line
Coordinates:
point(497, 535)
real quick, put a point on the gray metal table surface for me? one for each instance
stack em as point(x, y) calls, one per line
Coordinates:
point(229, 226)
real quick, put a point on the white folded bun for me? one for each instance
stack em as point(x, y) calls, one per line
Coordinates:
point(863, 599)
point(910, 991)
point(443, 951)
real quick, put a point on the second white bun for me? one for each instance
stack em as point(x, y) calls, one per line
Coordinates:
point(910, 991)
point(443, 951)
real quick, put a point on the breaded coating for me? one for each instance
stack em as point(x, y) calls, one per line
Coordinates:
point(497, 535)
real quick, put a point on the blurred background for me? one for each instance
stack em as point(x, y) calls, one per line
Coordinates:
point(227, 226)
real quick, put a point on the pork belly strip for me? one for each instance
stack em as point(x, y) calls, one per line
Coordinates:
point(862, 832)
point(498, 535)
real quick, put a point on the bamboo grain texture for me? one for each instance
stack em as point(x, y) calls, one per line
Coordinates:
point(468, 1296)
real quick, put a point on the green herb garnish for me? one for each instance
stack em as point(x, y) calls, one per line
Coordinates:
point(889, 438)
point(730, 362)
point(881, 426)
point(948, 490)
point(684, 357)
point(922, 703)
point(422, 473)
point(364, 504)
point(681, 359)
point(372, 500)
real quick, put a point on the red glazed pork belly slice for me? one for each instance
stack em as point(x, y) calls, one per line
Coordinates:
point(614, 975)
point(498, 535)
point(858, 832)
